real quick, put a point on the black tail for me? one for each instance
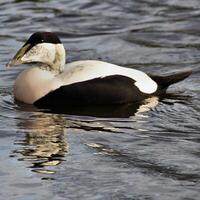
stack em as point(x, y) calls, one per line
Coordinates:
point(165, 81)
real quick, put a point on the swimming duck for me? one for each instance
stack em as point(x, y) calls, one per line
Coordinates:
point(50, 82)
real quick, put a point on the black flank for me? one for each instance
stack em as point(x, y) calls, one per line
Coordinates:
point(114, 89)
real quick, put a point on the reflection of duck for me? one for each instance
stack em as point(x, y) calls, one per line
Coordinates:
point(44, 143)
point(90, 82)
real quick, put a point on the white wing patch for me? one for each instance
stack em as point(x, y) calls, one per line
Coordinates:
point(90, 69)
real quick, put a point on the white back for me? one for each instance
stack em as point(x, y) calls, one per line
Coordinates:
point(90, 69)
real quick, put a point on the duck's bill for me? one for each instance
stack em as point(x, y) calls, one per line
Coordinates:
point(17, 59)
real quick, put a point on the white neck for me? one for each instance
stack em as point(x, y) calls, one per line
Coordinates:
point(59, 61)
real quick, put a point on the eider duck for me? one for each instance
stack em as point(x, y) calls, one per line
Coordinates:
point(50, 82)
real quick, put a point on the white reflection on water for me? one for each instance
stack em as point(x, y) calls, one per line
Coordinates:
point(44, 143)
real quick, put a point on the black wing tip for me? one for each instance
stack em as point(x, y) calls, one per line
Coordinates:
point(180, 76)
point(166, 81)
point(177, 77)
point(186, 73)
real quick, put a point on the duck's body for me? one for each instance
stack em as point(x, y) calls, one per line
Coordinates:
point(40, 82)
point(50, 83)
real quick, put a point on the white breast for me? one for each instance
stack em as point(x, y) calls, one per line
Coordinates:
point(33, 84)
point(89, 69)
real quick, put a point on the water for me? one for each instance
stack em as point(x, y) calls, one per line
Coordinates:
point(149, 151)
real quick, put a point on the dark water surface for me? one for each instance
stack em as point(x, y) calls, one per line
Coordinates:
point(149, 151)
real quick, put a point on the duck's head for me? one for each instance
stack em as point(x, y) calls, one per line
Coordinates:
point(41, 47)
